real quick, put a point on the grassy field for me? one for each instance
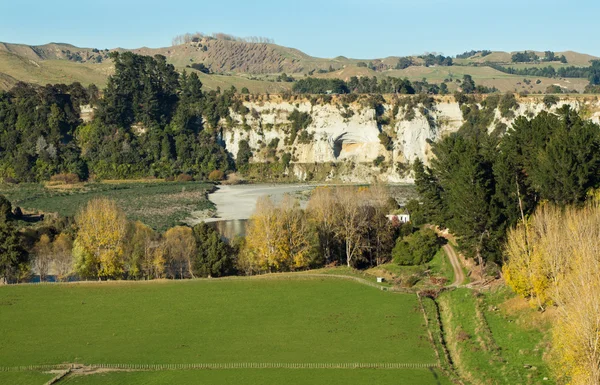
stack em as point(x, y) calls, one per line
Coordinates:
point(272, 320)
point(492, 335)
point(266, 377)
point(25, 378)
point(158, 204)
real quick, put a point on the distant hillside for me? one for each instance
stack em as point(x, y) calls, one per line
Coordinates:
point(252, 65)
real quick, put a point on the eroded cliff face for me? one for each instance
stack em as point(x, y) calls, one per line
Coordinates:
point(346, 139)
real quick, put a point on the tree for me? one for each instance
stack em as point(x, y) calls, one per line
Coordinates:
point(417, 248)
point(468, 85)
point(553, 259)
point(99, 245)
point(180, 248)
point(13, 258)
point(352, 224)
point(322, 211)
point(62, 256)
point(214, 257)
point(265, 248)
point(142, 248)
point(5, 209)
point(299, 235)
point(43, 255)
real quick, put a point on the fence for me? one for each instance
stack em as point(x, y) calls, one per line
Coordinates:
point(229, 365)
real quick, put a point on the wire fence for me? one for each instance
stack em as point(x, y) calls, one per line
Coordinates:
point(226, 365)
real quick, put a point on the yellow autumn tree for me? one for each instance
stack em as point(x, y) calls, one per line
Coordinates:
point(62, 256)
point(42, 252)
point(554, 258)
point(266, 246)
point(101, 234)
point(180, 248)
point(298, 233)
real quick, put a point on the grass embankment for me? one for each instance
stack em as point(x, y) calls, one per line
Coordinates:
point(494, 338)
point(437, 273)
point(160, 205)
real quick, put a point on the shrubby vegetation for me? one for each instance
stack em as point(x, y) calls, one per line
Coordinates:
point(417, 248)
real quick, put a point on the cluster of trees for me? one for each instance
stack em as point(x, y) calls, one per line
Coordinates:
point(468, 86)
point(195, 37)
point(553, 260)
point(367, 85)
point(592, 73)
point(37, 130)
point(481, 183)
point(468, 54)
point(102, 244)
point(107, 245)
point(530, 56)
point(525, 57)
point(151, 121)
point(438, 60)
point(341, 225)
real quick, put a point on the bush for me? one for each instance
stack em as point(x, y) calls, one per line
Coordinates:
point(550, 100)
point(417, 248)
point(216, 175)
point(67, 178)
point(184, 178)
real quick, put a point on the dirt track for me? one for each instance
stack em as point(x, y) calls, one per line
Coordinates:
point(459, 274)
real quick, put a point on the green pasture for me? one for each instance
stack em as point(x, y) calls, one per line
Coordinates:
point(160, 205)
point(322, 320)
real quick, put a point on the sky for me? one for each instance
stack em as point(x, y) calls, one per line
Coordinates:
point(359, 29)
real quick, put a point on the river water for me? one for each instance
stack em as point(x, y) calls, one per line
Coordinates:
point(235, 204)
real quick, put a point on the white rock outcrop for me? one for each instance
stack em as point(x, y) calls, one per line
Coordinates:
point(349, 134)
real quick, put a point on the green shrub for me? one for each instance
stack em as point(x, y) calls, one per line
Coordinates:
point(417, 248)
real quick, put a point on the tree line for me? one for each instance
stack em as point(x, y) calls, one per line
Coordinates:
point(340, 226)
point(481, 183)
point(101, 243)
point(592, 73)
point(151, 121)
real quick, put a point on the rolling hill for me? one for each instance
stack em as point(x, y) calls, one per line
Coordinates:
point(252, 65)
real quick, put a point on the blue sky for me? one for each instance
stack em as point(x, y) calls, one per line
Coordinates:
point(325, 28)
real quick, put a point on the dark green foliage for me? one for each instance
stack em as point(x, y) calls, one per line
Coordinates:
point(386, 141)
point(508, 103)
point(320, 86)
point(201, 67)
point(215, 257)
point(363, 85)
point(468, 85)
point(285, 78)
point(550, 100)
point(417, 248)
point(524, 57)
point(5, 209)
point(480, 184)
point(439, 60)
point(403, 62)
point(244, 154)
point(300, 121)
point(13, 258)
point(468, 54)
point(378, 161)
